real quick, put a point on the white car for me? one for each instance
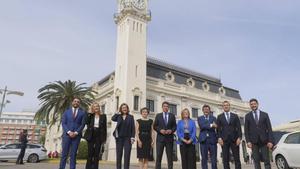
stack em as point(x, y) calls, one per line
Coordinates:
point(287, 152)
point(34, 152)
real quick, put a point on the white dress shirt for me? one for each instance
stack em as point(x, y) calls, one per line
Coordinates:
point(74, 110)
point(227, 118)
point(257, 112)
point(96, 121)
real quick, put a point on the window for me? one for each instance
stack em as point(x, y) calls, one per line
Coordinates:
point(170, 76)
point(194, 112)
point(173, 109)
point(37, 131)
point(136, 70)
point(190, 82)
point(150, 105)
point(136, 103)
point(13, 146)
point(103, 108)
point(293, 139)
point(117, 103)
point(205, 86)
point(31, 146)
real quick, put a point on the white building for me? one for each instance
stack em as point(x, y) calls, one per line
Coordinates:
point(142, 81)
point(12, 123)
point(288, 127)
point(24, 117)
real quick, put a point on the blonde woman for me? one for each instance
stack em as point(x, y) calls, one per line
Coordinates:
point(186, 132)
point(95, 135)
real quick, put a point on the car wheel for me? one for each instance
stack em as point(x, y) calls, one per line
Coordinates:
point(33, 158)
point(281, 162)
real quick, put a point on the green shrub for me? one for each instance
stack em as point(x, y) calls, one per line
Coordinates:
point(82, 152)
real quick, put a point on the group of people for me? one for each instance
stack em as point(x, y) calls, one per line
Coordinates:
point(224, 130)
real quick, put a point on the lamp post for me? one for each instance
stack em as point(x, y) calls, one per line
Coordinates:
point(5, 92)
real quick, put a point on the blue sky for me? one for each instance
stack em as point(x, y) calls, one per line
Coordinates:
point(253, 46)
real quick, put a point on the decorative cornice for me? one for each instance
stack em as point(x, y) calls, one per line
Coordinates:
point(144, 16)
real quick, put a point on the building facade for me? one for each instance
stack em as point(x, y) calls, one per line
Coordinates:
point(142, 81)
point(13, 123)
point(291, 126)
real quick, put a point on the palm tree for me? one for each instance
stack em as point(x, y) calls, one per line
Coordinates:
point(56, 97)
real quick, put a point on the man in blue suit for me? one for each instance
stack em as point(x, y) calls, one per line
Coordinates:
point(73, 122)
point(208, 137)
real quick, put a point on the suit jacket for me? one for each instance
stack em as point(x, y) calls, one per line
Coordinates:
point(129, 131)
point(261, 132)
point(23, 140)
point(229, 132)
point(192, 129)
point(73, 124)
point(159, 124)
point(90, 121)
point(206, 132)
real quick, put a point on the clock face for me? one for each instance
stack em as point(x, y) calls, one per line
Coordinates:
point(139, 4)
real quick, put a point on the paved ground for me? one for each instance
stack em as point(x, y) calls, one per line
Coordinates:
point(103, 165)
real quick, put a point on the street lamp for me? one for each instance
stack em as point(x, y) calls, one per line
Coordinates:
point(7, 92)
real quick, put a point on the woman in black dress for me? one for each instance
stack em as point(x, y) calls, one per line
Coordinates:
point(95, 135)
point(144, 131)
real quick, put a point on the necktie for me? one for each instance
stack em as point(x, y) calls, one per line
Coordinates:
point(74, 114)
point(256, 117)
point(206, 118)
point(166, 119)
point(227, 117)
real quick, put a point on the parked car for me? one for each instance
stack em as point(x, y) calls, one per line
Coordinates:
point(33, 154)
point(287, 152)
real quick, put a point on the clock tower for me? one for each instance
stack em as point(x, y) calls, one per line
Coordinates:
point(130, 72)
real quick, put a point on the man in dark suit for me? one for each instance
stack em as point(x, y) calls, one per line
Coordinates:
point(165, 126)
point(230, 135)
point(208, 137)
point(259, 135)
point(73, 122)
point(23, 141)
